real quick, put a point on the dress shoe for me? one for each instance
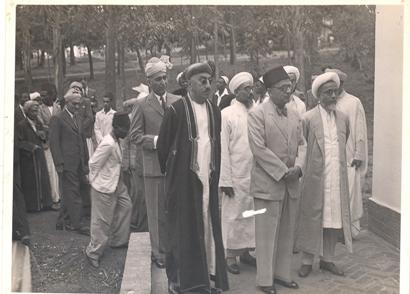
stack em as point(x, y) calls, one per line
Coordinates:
point(233, 268)
point(268, 289)
point(248, 259)
point(119, 246)
point(212, 278)
point(291, 285)
point(55, 206)
point(330, 267)
point(94, 262)
point(305, 270)
point(83, 231)
point(158, 262)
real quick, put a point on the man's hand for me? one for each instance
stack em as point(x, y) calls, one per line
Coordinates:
point(60, 168)
point(293, 173)
point(228, 191)
point(356, 163)
point(148, 142)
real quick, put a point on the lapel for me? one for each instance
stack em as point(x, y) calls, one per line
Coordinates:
point(67, 118)
point(118, 152)
point(154, 103)
point(318, 129)
point(275, 118)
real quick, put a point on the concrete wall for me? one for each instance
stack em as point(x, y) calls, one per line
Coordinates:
point(388, 107)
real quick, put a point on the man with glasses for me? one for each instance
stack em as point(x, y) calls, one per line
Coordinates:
point(146, 119)
point(189, 154)
point(324, 215)
point(275, 138)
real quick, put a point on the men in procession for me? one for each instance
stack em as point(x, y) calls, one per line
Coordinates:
point(70, 156)
point(189, 155)
point(356, 148)
point(324, 215)
point(110, 202)
point(103, 118)
point(238, 233)
point(146, 119)
point(274, 137)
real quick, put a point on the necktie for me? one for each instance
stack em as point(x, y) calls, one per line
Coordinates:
point(163, 103)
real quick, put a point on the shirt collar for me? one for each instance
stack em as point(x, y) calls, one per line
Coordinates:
point(111, 111)
point(159, 97)
point(225, 92)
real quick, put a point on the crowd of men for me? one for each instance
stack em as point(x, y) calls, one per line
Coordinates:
point(250, 173)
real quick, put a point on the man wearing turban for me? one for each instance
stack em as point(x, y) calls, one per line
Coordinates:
point(294, 101)
point(236, 163)
point(111, 204)
point(146, 119)
point(275, 139)
point(356, 148)
point(70, 156)
point(31, 138)
point(189, 154)
point(222, 98)
point(324, 210)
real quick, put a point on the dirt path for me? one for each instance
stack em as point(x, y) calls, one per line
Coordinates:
point(59, 264)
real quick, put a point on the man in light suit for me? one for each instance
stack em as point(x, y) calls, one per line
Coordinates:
point(111, 204)
point(275, 137)
point(70, 156)
point(146, 119)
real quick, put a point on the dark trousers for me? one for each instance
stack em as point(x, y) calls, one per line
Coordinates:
point(71, 202)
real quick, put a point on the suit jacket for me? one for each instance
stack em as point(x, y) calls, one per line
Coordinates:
point(67, 143)
point(45, 113)
point(87, 117)
point(105, 165)
point(276, 147)
point(146, 118)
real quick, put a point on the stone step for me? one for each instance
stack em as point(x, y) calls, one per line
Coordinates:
point(137, 270)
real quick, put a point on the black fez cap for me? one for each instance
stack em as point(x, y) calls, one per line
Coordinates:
point(197, 68)
point(274, 75)
point(121, 119)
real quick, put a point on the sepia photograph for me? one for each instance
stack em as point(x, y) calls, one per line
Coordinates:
point(206, 149)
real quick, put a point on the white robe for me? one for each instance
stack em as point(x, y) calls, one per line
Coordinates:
point(204, 159)
point(296, 104)
point(356, 148)
point(236, 165)
point(332, 211)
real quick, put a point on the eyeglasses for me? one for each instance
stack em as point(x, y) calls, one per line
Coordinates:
point(284, 89)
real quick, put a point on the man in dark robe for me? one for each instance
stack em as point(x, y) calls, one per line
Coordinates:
point(189, 150)
point(34, 174)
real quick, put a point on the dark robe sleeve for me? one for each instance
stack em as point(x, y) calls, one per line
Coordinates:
point(166, 137)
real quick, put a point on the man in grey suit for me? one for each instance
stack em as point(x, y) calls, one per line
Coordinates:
point(275, 136)
point(146, 119)
point(69, 151)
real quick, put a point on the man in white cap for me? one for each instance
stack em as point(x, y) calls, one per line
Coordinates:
point(236, 162)
point(275, 138)
point(294, 101)
point(146, 119)
point(70, 156)
point(189, 155)
point(356, 148)
point(324, 210)
point(222, 98)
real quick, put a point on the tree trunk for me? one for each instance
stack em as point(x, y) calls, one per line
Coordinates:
point(216, 57)
point(90, 62)
point(299, 51)
point(42, 58)
point(192, 35)
point(121, 71)
point(110, 83)
point(38, 57)
point(232, 42)
point(72, 56)
point(58, 59)
point(288, 47)
point(140, 60)
point(27, 58)
point(63, 58)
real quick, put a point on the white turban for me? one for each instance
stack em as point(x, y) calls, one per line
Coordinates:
point(225, 78)
point(34, 95)
point(292, 70)
point(155, 65)
point(239, 79)
point(342, 75)
point(323, 79)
